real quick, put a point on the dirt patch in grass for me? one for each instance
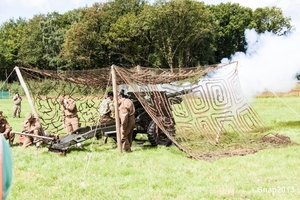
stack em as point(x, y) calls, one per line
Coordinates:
point(246, 147)
point(277, 139)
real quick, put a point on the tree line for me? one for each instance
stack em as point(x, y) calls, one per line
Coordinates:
point(165, 34)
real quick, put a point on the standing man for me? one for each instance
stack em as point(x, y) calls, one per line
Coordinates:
point(33, 126)
point(107, 109)
point(126, 113)
point(70, 117)
point(6, 129)
point(17, 105)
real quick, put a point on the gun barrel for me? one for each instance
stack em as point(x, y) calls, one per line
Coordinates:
point(33, 135)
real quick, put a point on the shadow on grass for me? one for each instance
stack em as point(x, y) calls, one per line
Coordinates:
point(100, 146)
point(289, 124)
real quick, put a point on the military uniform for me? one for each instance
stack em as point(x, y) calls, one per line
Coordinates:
point(106, 111)
point(6, 129)
point(33, 126)
point(126, 113)
point(17, 105)
point(70, 117)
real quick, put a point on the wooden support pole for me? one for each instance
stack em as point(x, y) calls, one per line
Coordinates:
point(23, 84)
point(117, 118)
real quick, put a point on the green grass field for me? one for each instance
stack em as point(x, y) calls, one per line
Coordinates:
point(99, 171)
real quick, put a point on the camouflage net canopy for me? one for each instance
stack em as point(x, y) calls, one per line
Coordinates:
point(85, 87)
point(205, 116)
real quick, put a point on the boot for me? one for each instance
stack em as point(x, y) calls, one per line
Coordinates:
point(27, 142)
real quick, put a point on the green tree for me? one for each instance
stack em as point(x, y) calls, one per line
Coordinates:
point(124, 43)
point(82, 45)
point(44, 38)
point(232, 20)
point(11, 34)
point(53, 32)
point(32, 50)
point(180, 31)
point(170, 34)
point(94, 42)
point(270, 19)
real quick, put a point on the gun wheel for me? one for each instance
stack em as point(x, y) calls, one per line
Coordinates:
point(157, 136)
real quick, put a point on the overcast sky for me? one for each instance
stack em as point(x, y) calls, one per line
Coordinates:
point(28, 8)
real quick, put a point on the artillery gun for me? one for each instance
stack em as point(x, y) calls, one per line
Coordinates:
point(144, 124)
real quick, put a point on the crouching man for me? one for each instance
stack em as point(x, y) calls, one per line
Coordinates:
point(33, 126)
point(6, 130)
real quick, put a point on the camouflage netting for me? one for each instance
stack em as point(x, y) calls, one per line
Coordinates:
point(205, 116)
point(87, 88)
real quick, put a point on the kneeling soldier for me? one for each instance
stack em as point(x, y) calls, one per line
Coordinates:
point(33, 126)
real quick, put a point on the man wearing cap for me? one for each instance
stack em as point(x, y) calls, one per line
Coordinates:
point(107, 109)
point(126, 114)
point(6, 129)
point(17, 105)
point(33, 126)
point(70, 117)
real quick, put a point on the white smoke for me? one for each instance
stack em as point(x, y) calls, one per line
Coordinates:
point(271, 63)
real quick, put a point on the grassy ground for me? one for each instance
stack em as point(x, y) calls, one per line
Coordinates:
point(98, 171)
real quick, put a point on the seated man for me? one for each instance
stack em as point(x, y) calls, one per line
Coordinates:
point(6, 129)
point(31, 125)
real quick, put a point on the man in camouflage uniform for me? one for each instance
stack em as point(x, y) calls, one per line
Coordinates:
point(70, 117)
point(17, 105)
point(6, 129)
point(107, 110)
point(126, 113)
point(31, 125)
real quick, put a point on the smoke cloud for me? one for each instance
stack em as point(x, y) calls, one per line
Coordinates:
point(271, 63)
